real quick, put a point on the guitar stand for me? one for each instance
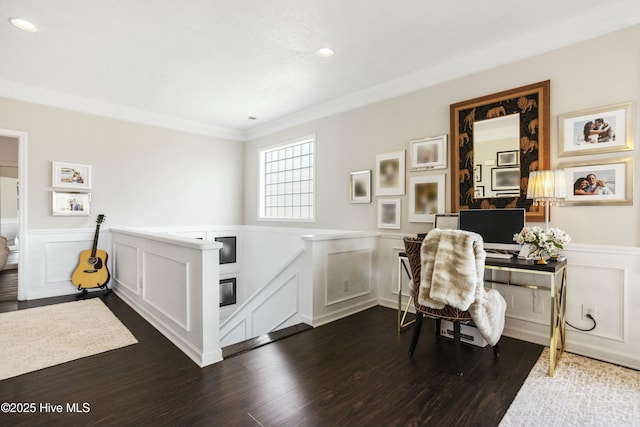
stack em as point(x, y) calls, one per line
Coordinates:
point(84, 291)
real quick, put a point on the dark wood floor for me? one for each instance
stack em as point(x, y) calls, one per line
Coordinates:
point(352, 372)
point(8, 285)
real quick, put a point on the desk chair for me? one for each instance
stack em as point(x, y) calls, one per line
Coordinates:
point(456, 316)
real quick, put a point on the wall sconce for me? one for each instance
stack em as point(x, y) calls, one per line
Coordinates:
point(546, 187)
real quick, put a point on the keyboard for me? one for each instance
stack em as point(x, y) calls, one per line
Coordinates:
point(499, 255)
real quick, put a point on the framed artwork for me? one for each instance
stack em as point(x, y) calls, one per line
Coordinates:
point(360, 187)
point(426, 197)
point(447, 221)
point(477, 173)
point(70, 203)
point(505, 178)
point(429, 153)
point(227, 291)
point(228, 251)
point(478, 191)
point(508, 158)
point(389, 213)
point(390, 172)
point(70, 175)
point(598, 130)
point(601, 182)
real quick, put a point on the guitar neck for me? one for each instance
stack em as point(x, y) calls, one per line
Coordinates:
point(94, 248)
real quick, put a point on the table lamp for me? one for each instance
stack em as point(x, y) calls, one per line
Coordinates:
point(546, 187)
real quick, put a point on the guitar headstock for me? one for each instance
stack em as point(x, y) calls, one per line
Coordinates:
point(101, 218)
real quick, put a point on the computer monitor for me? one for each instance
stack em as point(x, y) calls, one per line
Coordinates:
point(496, 226)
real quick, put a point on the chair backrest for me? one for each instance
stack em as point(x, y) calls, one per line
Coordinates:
point(412, 248)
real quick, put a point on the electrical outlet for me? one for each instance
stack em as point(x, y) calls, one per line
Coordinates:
point(588, 309)
point(345, 285)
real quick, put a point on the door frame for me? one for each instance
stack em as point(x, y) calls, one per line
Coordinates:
point(22, 201)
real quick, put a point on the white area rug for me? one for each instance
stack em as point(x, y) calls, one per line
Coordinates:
point(40, 337)
point(583, 392)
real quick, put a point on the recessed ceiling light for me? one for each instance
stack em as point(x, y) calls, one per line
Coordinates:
point(325, 52)
point(23, 25)
point(251, 118)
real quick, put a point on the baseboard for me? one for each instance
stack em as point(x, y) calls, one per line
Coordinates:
point(339, 314)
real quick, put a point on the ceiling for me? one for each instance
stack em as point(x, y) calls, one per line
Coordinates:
point(208, 65)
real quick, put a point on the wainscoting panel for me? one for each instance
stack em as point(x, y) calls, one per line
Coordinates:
point(280, 306)
point(348, 275)
point(61, 259)
point(173, 301)
point(126, 269)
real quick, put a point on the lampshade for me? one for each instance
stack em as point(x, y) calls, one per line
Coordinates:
point(546, 186)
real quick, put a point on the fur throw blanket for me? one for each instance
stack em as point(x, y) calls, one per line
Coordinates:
point(452, 273)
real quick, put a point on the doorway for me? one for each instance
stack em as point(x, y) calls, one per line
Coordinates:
point(12, 213)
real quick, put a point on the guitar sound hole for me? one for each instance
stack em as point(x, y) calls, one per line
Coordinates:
point(92, 260)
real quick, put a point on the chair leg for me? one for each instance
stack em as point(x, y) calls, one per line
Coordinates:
point(416, 333)
point(457, 346)
point(496, 351)
point(438, 324)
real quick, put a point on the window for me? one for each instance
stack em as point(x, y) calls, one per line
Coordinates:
point(287, 184)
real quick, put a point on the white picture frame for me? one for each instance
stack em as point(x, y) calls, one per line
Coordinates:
point(65, 203)
point(70, 175)
point(390, 173)
point(428, 153)
point(360, 187)
point(389, 213)
point(618, 179)
point(426, 197)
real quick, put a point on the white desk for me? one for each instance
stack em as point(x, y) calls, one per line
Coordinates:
point(557, 294)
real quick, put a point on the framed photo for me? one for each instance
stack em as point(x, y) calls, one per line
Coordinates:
point(477, 173)
point(426, 197)
point(70, 204)
point(505, 179)
point(228, 251)
point(478, 191)
point(227, 291)
point(447, 221)
point(70, 175)
point(598, 130)
point(360, 187)
point(429, 153)
point(508, 158)
point(601, 182)
point(389, 213)
point(390, 172)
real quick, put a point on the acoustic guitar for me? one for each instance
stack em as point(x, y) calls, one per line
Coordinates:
point(92, 271)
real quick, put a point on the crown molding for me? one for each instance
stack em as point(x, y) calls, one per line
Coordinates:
point(13, 90)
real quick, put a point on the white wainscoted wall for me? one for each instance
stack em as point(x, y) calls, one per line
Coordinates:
point(324, 275)
point(600, 276)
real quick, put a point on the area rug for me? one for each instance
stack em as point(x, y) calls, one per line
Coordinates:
point(582, 392)
point(40, 337)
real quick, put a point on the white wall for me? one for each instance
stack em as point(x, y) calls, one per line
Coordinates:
point(142, 175)
point(349, 141)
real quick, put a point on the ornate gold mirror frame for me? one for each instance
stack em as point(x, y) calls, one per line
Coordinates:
point(532, 102)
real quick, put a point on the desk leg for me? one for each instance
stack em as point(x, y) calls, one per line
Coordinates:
point(402, 314)
point(558, 323)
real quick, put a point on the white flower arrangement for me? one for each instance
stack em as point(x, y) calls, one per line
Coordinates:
point(542, 241)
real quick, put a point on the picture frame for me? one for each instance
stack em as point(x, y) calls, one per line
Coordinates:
point(426, 197)
point(477, 173)
point(390, 173)
point(70, 203)
point(360, 187)
point(478, 191)
point(428, 153)
point(447, 221)
point(505, 179)
point(508, 158)
point(228, 294)
point(70, 175)
point(389, 212)
point(617, 175)
point(580, 133)
point(228, 251)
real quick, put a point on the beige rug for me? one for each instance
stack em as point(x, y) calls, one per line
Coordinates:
point(40, 337)
point(583, 392)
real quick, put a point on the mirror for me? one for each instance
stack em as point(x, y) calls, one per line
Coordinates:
point(487, 172)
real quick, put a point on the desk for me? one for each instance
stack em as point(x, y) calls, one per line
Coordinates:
point(557, 294)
